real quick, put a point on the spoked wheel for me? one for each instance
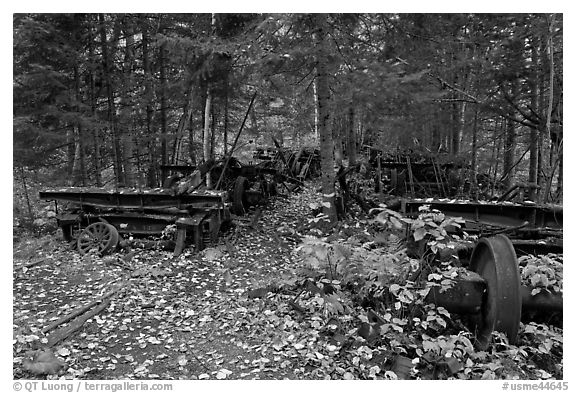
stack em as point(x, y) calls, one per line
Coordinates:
point(98, 236)
point(494, 259)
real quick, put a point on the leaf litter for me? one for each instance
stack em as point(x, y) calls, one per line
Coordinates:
point(232, 311)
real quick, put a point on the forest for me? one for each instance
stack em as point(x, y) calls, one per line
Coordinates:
point(366, 117)
point(107, 99)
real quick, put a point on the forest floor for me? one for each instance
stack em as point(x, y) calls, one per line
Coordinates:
point(233, 311)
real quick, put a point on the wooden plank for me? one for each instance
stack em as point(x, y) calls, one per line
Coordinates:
point(81, 310)
point(63, 334)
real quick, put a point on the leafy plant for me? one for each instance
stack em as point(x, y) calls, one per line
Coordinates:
point(435, 318)
point(543, 272)
point(454, 345)
point(434, 226)
point(354, 263)
point(390, 219)
point(544, 339)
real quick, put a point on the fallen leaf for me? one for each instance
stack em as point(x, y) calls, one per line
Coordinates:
point(223, 373)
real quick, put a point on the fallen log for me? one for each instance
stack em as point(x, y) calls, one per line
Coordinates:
point(81, 310)
point(63, 334)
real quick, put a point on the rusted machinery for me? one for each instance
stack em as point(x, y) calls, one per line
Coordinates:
point(480, 215)
point(246, 185)
point(299, 164)
point(416, 173)
point(492, 294)
point(96, 217)
point(532, 228)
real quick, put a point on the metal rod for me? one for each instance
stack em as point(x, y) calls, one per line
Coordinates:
point(542, 301)
point(466, 297)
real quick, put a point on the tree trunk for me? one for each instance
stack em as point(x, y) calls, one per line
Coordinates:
point(79, 168)
point(509, 144)
point(26, 194)
point(112, 121)
point(560, 180)
point(533, 163)
point(213, 130)
point(495, 159)
point(326, 143)
point(225, 136)
point(551, 86)
point(316, 114)
point(351, 137)
point(70, 152)
point(454, 113)
point(542, 146)
point(96, 156)
point(163, 108)
point(473, 165)
point(151, 138)
point(509, 147)
point(462, 125)
point(553, 140)
point(78, 165)
point(151, 175)
point(337, 136)
point(191, 139)
point(126, 105)
point(140, 172)
point(207, 134)
point(467, 85)
point(436, 140)
point(455, 137)
point(184, 122)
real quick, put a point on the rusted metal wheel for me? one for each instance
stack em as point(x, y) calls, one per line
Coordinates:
point(239, 200)
point(494, 259)
point(98, 236)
